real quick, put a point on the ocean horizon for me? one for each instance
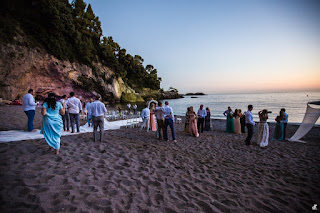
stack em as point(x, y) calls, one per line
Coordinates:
point(294, 102)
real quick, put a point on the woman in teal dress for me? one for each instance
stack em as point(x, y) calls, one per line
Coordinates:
point(52, 122)
point(230, 124)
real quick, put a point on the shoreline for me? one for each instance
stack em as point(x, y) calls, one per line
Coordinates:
point(133, 171)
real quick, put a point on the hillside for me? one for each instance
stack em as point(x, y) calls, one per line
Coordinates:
point(51, 45)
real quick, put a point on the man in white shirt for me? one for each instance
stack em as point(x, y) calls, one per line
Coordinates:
point(97, 110)
point(75, 107)
point(129, 107)
point(135, 108)
point(250, 124)
point(201, 115)
point(168, 121)
point(29, 106)
point(88, 111)
point(160, 120)
point(145, 115)
point(65, 117)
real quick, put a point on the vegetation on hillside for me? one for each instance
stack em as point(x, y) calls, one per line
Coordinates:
point(72, 32)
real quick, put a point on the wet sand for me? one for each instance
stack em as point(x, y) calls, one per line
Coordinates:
point(133, 171)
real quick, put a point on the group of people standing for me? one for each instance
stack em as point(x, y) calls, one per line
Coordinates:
point(263, 128)
point(198, 122)
point(164, 116)
point(58, 114)
point(235, 121)
point(134, 107)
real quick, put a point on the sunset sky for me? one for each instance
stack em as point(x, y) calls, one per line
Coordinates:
point(220, 46)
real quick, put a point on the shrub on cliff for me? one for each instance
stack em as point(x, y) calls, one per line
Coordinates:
point(73, 32)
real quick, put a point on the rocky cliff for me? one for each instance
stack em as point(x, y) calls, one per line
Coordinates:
point(22, 68)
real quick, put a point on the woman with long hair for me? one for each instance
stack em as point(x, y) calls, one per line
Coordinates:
point(153, 126)
point(263, 128)
point(242, 121)
point(193, 129)
point(207, 120)
point(186, 125)
point(278, 132)
point(237, 124)
point(52, 123)
point(230, 124)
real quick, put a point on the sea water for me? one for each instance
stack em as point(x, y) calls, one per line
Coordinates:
point(295, 104)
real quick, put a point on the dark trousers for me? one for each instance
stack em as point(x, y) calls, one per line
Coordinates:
point(250, 133)
point(66, 121)
point(160, 123)
point(74, 117)
point(284, 130)
point(98, 122)
point(169, 122)
point(30, 114)
point(200, 124)
point(243, 124)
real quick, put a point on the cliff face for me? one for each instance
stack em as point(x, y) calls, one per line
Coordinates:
point(22, 68)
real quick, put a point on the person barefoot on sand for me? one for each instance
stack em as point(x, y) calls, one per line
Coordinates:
point(52, 122)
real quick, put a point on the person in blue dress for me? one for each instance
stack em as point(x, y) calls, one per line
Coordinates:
point(52, 122)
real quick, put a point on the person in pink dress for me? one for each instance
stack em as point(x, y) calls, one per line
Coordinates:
point(193, 129)
point(153, 125)
point(237, 124)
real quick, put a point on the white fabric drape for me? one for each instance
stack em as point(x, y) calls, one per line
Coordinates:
point(310, 118)
point(18, 135)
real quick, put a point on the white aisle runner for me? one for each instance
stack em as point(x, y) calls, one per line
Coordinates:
point(19, 135)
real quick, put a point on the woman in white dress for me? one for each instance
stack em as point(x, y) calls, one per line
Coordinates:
point(263, 129)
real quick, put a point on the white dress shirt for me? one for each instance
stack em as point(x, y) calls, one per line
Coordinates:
point(97, 108)
point(168, 112)
point(202, 113)
point(74, 105)
point(28, 102)
point(249, 118)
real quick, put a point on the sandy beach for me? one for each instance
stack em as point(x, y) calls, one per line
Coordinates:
point(133, 171)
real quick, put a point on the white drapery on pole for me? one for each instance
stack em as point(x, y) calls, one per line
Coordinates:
point(310, 118)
